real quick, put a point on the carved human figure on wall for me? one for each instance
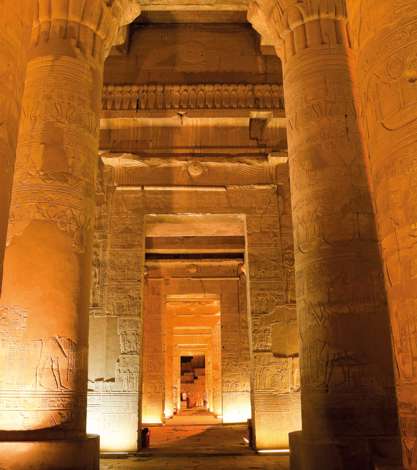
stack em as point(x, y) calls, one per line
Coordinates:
point(56, 366)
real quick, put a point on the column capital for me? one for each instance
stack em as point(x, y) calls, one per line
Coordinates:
point(91, 26)
point(293, 25)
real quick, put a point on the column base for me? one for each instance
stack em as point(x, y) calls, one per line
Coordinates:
point(69, 454)
point(373, 453)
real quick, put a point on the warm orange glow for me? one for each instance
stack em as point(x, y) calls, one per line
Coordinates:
point(168, 412)
point(237, 411)
point(151, 419)
point(121, 438)
point(274, 451)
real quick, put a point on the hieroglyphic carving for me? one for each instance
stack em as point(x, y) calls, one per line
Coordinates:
point(276, 392)
point(385, 39)
point(220, 96)
point(52, 214)
point(56, 367)
point(337, 286)
point(116, 413)
point(127, 372)
point(235, 350)
point(153, 362)
point(271, 374)
point(119, 230)
point(129, 335)
point(40, 389)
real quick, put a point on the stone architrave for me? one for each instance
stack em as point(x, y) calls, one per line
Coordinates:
point(346, 371)
point(16, 21)
point(385, 37)
point(44, 303)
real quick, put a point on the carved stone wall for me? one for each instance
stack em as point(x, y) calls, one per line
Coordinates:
point(154, 335)
point(115, 317)
point(270, 280)
point(235, 352)
point(276, 391)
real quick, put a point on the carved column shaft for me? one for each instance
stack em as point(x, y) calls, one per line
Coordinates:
point(340, 294)
point(346, 368)
point(385, 37)
point(47, 268)
point(16, 18)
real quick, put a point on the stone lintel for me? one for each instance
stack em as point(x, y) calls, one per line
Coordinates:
point(135, 170)
point(195, 269)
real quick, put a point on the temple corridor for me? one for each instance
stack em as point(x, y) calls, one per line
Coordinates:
point(198, 448)
point(208, 225)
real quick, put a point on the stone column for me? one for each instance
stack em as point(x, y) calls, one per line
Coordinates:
point(47, 269)
point(16, 21)
point(347, 386)
point(385, 37)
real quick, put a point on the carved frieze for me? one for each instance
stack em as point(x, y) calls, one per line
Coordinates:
point(216, 96)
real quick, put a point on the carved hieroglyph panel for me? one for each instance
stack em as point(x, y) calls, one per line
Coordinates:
point(235, 351)
point(43, 376)
point(188, 97)
point(275, 378)
point(115, 319)
point(153, 386)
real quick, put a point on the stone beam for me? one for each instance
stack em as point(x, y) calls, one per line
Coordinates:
point(135, 170)
point(195, 244)
point(179, 134)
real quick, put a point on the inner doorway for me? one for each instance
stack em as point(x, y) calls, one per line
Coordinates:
point(196, 360)
point(193, 384)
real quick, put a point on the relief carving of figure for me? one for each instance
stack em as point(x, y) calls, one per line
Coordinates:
point(56, 366)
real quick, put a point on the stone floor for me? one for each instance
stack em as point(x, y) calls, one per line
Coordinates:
point(197, 448)
point(193, 416)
